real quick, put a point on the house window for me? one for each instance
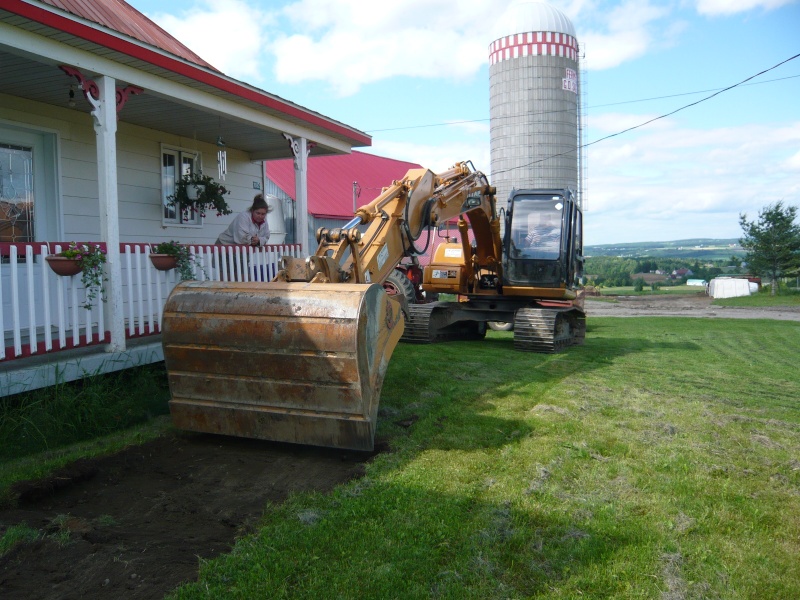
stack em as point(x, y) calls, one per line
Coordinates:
point(176, 163)
point(29, 198)
point(16, 193)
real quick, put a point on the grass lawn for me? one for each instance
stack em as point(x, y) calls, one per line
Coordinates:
point(760, 299)
point(659, 460)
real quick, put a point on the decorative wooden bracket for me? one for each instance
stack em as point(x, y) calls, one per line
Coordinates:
point(92, 93)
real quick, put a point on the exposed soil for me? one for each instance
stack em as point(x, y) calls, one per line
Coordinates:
point(698, 305)
point(134, 525)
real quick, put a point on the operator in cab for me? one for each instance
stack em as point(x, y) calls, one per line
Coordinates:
point(249, 227)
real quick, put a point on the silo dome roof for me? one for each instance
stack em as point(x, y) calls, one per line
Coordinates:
point(523, 16)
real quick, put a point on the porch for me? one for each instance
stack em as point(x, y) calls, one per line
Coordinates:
point(49, 337)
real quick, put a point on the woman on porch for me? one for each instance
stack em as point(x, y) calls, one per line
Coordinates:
point(249, 227)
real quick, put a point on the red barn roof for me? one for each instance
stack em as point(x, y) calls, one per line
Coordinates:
point(330, 180)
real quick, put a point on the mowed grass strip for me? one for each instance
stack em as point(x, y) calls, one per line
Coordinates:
point(659, 460)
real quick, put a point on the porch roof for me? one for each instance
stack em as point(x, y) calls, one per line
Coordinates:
point(183, 94)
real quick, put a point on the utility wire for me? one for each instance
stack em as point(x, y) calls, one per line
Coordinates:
point(597, 141)
point(718, 90)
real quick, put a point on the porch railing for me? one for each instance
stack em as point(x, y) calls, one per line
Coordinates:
point(41, 312)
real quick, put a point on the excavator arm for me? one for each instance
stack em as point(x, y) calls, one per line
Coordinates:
point(396, 221)
point(301, 359)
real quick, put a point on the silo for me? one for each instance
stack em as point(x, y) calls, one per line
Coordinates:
point(533, 100)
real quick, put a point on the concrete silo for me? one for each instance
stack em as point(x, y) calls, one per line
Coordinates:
point(534, 101)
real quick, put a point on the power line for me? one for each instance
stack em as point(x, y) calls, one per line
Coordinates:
point(717, 93)
point(466, 121)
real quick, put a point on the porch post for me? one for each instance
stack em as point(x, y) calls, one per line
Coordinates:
point(104, 116)
point(300, 149)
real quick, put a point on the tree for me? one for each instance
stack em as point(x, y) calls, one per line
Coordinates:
point(773, 242)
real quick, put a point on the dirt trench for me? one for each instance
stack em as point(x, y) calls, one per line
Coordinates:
point(135, 524)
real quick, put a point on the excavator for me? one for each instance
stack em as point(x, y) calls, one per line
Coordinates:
point(302, 358)
point(534, 290)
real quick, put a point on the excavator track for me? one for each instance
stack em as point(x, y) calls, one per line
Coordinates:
point(548, 330)
point(435, 322)
point(417, 330)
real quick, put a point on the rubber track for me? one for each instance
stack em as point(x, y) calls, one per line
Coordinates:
point(548, 330)
point(417, 329)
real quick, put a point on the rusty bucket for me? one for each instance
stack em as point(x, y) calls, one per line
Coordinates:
point(291, 362)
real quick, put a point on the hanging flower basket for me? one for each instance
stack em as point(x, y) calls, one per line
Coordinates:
point(171, 255)
point(86, 259)
point(198, 193)
point(63, 266)
point(163, 262)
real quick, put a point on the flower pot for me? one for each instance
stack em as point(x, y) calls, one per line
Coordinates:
point(194, 191)
point(163, 262)
point(63, 266)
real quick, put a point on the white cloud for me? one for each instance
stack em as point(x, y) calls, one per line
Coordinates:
point(622, 33)
point(793, 162)
point(347, 45)
point(681, 183)
point(729, 7)
point(228, 34)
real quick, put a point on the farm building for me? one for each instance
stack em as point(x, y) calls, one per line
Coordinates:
point(101, 113)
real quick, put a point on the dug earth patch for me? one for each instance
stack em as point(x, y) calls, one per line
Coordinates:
point(137, 523)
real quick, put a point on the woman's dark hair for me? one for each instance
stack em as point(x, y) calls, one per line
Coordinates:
point(259, 202)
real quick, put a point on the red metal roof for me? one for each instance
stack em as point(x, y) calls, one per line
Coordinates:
point(121, 17)
point(330, 180)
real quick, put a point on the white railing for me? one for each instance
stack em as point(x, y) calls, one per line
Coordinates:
point(41, 312)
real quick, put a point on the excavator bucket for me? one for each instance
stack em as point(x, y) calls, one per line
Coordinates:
point(290, 362)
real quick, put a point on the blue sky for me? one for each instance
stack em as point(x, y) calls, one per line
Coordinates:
point(414, 75)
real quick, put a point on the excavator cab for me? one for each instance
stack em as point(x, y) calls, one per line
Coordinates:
point(543, 244)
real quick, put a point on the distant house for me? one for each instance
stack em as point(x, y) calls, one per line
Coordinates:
point(681, 273)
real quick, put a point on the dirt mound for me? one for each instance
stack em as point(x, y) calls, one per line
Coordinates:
point(133, 524)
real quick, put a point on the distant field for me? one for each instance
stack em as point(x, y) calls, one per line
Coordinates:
point(664, 291)
point(708, 249)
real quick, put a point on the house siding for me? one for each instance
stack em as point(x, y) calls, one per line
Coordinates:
point(138, 176)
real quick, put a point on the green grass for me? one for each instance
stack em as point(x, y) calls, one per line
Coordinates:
point(21, 533)
point(54, 417)
point(761, 299)
point(659, 460)
point(662, 291)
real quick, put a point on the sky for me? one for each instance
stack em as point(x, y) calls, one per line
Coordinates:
point(414, 74)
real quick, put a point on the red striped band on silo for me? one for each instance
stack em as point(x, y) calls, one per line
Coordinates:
point(533, 43)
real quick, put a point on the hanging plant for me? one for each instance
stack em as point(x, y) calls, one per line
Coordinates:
point(179, 258)
point(89, 260)
point(198, 193)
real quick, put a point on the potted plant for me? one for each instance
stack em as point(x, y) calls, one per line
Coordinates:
point(197, 193)
point(87, 259)
point(172, 255)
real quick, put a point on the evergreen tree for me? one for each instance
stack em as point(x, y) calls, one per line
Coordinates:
point(772, 242)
